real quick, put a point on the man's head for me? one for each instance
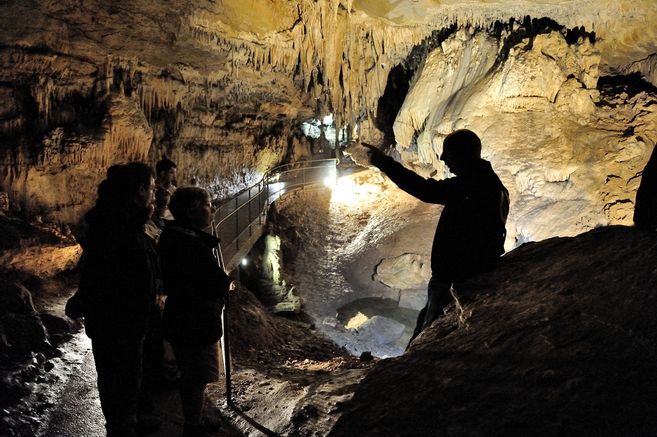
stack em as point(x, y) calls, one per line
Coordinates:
point(165, 169)
point(127, 183)
point(192, 207)
point(461, 149)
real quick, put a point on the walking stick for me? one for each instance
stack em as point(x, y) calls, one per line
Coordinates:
point(225, 344)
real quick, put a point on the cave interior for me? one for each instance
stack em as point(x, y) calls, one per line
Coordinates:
point(563, 94)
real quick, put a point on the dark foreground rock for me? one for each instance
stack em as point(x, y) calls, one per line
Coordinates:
point(560, 340)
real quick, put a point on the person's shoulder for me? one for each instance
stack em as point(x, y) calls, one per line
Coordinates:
point(182, 235)
point(485, 167)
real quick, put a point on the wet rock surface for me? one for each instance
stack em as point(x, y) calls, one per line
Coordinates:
point(34, 284)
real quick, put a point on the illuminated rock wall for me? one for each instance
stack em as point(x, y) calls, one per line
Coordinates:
point(86, 86)
point(569, 153)
point(221, 88)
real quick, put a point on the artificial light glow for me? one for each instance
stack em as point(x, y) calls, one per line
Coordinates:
point(357, 321)
point(331, 179)
point(347, 191)
point(276, 189)
point(244, 262)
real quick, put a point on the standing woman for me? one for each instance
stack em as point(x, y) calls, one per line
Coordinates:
point(196, 288)
point(118, 283)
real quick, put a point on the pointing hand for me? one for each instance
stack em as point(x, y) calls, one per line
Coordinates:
point(371, 151)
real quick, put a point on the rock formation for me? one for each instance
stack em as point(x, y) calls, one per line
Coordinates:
point(222, 87)
point(563, 94)
point(559, 340)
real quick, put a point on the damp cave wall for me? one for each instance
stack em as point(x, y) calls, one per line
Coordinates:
point(221, 87)
point(86, 86)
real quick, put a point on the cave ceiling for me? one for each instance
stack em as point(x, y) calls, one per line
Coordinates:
point(221, 86)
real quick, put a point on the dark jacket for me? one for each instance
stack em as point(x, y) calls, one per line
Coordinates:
point(470, 234)
point(645, 206)
point(119, 272)
point(194, 284)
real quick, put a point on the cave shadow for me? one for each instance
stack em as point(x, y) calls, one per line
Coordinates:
point(251, 421)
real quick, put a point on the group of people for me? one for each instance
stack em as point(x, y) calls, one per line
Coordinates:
point(133, 254)
point(148, 268)
point(146, 245)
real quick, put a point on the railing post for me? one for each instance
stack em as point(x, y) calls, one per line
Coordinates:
point(237, 223)
point(262, 204)
point(250, 206)
point(259, 203)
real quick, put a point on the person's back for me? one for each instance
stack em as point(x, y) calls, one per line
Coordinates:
point(471, 230)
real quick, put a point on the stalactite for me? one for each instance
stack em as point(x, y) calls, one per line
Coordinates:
point(123, 143)
point(159, 94)
point(328, 37)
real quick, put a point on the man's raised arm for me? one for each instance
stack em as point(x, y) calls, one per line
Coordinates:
point(427, 190)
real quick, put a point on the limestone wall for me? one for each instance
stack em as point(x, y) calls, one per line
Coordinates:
point(221, 86)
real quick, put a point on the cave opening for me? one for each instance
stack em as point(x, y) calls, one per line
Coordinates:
point(632, 84)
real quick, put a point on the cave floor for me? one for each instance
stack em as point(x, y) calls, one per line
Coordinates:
point(295, 388)
point(273, 393)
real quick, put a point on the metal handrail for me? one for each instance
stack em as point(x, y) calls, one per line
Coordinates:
point(235, 211)
point(275, 175)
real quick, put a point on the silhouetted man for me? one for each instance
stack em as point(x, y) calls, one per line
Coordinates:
point(119, 280)
point(645, 207)
point(470, 234)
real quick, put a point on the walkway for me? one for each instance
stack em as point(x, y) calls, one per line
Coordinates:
point(240, 219)
point(238, 222)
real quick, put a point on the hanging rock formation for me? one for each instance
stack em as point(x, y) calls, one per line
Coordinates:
point(221, 87)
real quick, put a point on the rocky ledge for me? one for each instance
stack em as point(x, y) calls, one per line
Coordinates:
point(559, 340)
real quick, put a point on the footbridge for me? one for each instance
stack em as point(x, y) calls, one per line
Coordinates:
point(239, 220)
